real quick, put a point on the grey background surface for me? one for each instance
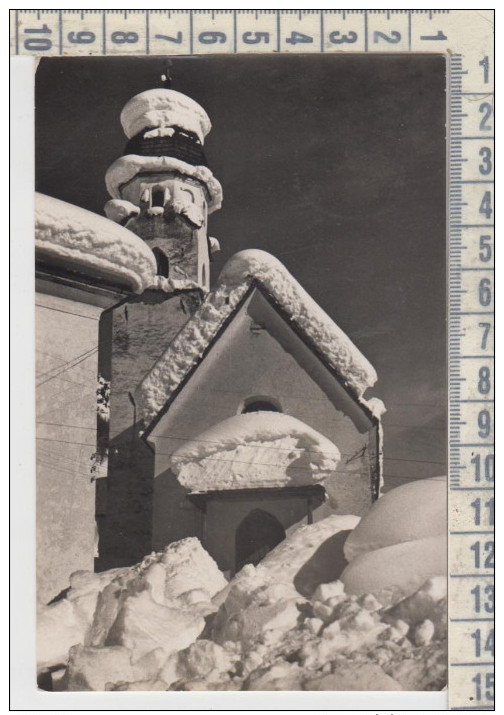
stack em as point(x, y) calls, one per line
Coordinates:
point(335, 164)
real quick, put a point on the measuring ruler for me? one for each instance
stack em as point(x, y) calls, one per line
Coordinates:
point(466, 36)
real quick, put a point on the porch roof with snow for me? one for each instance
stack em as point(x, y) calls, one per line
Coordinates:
point(253, 451)
point(244, 272)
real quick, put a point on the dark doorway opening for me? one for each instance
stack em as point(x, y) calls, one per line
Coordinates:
point(257, 535)
point(162, 262)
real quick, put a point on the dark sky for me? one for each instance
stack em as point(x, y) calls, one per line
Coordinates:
point(333, 163)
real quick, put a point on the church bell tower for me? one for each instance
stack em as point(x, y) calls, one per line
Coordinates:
point(163, 191)
point(162, 188)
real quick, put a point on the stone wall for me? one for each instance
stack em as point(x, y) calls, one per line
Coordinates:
point(141, 328)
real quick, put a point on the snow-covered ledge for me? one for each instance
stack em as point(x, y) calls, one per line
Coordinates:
point(92, 245)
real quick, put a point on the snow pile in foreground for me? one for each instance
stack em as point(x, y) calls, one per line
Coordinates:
point(160, 602)
point(237, 454)
point(90, 242)
point(290, 623)
point(239, 272)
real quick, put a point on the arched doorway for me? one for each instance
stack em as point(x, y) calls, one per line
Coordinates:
point(258, 533)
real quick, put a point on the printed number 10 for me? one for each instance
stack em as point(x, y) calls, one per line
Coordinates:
point(489, 467)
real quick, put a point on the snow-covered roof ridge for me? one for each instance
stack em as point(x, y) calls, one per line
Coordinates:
point(252, 450)
point(238, 274)
point(86, 240)
point(128, 166)
point(164, 107)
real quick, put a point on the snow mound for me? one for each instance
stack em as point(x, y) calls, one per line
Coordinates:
point(91, 244)
point(411, 511)
point(393, 572)
point(258, 449)
point(126, 167)
point(164, 108)
point(234, 281)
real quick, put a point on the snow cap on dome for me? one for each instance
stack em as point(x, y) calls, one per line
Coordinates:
point(126, 167)
point(164, 108)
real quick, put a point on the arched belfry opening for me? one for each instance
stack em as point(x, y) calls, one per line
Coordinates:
point(257, 535)
point(162, 262)
point(158, 196)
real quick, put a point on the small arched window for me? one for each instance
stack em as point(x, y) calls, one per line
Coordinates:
point(162, 262)
point(157, 197)
point(255, 404)
point(203, 275)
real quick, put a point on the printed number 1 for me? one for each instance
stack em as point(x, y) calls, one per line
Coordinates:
point(485, 64)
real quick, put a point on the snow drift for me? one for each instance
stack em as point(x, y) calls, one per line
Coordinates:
point(400, 543)
point(411, 511)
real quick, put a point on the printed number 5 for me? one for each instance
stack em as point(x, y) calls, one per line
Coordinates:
point(485, 253)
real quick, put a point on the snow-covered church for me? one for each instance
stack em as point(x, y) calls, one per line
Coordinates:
point(229, 413)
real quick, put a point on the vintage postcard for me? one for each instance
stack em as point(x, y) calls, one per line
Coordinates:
point(242, 373)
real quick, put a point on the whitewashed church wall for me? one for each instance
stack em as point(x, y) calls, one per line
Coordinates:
point(66, 378)
point(247, 361)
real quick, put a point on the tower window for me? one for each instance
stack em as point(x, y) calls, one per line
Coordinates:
point(260, 404)
point(157, 198)
point(162, 262)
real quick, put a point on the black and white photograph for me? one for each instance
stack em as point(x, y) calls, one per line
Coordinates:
point(241, 372)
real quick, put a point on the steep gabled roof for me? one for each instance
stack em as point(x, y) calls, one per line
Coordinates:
point(241, 273)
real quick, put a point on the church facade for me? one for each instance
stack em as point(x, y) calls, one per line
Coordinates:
point(232, 413)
